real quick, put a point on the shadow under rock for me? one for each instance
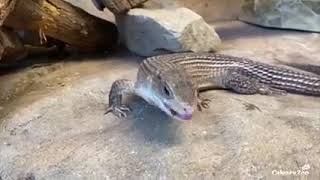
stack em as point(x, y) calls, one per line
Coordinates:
point(120, 54)
point(236, 30)
point(154, 125)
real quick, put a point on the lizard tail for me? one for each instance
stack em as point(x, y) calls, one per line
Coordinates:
point(301, 82)
point(315, 69)
point(305, 83)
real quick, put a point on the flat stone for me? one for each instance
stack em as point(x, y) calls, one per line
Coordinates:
point(152, 32)
point(52, 122)
point(287, 14)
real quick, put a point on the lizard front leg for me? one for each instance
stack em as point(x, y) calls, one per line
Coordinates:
point(202, 103)
point(243, 84)
point(119, 89)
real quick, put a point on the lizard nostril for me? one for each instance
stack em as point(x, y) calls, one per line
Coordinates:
point(187, 109)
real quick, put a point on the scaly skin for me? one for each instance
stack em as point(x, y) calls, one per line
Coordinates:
point(306, 67)
point(172, 82)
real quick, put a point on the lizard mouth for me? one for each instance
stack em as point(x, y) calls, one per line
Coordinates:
point(173, 112)
point(183, 116)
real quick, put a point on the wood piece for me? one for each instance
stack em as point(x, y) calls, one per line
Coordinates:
point(59, 20)
point(33, 39)
point(11, 47)
point(118, 6)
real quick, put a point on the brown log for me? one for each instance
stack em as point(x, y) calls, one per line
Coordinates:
point(118, 6)
point(11, 47)
point(32, 39)
point(59, 20)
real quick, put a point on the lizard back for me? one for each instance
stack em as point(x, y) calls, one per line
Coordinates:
point(209, 70)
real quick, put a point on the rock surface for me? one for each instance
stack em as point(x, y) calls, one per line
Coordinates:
point(52, 124)
point(153, 32)
point(213, 10)
point(288, 14)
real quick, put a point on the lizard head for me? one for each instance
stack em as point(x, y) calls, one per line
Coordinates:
point(175, 93)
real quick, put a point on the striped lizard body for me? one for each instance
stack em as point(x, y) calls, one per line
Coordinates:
point(172, 82)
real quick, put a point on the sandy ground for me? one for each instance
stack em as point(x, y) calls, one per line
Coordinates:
point(52, 124)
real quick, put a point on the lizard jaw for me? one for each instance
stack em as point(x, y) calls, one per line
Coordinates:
point(148, 95)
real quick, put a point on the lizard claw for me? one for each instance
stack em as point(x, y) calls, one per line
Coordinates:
point(119, 111)
point(203, 103)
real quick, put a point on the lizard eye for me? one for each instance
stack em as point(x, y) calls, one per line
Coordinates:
point(166, 91)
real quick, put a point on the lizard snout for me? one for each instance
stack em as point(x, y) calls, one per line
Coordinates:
point(187, 114)
point(180, 112)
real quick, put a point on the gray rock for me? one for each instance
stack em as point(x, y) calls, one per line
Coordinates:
point(291, 14)
point(152, 32)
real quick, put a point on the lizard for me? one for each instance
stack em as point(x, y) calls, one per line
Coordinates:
point(173, 82)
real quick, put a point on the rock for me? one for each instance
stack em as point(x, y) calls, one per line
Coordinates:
point(152, 32)
point(288, 14)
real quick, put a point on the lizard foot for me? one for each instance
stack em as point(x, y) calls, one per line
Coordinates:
point(119, 111)
point(203, 103)
point(119, 88)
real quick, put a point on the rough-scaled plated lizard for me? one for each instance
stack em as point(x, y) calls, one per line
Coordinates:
point(172, 82)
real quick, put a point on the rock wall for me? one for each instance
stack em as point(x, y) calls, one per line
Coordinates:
point(210, 10)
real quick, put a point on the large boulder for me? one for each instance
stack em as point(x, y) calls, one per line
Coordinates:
point(152, 32)
point(288, 14)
